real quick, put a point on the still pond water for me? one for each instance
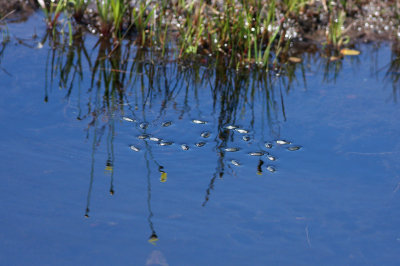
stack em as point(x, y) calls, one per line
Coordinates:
point(81, 187)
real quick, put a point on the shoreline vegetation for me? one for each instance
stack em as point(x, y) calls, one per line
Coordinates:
point(241, 34)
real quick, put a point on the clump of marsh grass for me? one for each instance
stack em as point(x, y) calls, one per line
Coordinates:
point(335, 34)
point(240, 32)
point(243, 33)
point(52, 11)
point(79, 8)
point(111, 13)
point(143, 22)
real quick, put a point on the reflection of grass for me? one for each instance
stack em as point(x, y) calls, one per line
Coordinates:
point(153, 237)
point(115, 75)
point(332, 70)
point(120, 85)
point(5, 35)
point(393, 72)
point(5, 38)
point(125, 79)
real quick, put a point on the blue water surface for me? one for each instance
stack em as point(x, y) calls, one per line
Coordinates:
point(333, 202)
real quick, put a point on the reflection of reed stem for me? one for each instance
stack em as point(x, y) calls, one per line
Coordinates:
point(219, 171)
point(46, 93)
point(110, 151)
point(91, 176)
point(92, 156)
point(149, 218)
point(210, 187)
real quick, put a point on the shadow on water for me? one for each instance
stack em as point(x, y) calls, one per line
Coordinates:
point(136, 85)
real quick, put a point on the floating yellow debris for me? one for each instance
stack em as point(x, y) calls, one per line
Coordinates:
point(333, 58)
point(163, 177)
point(109, 165)
point(153, 239)
point(294, 59)
point(346, 51)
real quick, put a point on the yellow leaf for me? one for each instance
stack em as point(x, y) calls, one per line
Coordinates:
point(294, 59)
point(163, 177)
point(333, 58)
point(259, 173)
point(153, 239)
point(109, 168)
point(346, 51)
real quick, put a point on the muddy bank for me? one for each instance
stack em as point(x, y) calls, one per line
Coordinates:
point(16, 10)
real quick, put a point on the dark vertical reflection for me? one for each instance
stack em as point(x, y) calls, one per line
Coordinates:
point(259, 167)
point(89, 194)
point(153, 237)
point(110, 156)
point(209, 188)
point(3, 45)
point(392, 75)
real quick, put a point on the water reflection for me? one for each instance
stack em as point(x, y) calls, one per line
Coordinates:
point(110, 156)
point(109, 166)
point(153, 237)
point(136, 81)
point(392, 75)
point(89, 194)
point(4, 42)
point(133, 86)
